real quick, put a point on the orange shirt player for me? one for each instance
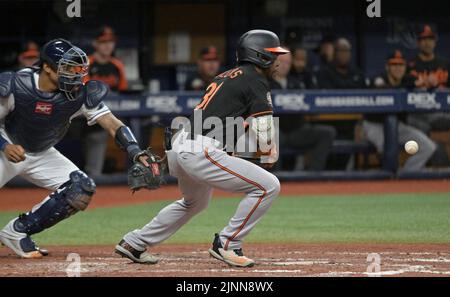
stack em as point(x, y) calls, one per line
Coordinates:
point(430, 70)
point(105, 67)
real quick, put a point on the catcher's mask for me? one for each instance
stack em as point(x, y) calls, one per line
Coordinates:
point(70, 64)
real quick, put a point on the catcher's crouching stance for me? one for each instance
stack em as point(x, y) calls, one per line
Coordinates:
point(36, 107)
point(201, 164)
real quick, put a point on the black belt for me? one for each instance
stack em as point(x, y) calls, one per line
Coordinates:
point(192, 136)
point(168, 138)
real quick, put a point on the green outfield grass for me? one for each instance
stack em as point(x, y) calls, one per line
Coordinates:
point(384, 218)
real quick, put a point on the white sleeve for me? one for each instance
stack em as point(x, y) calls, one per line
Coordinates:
point(93, 114)
point(6, 106)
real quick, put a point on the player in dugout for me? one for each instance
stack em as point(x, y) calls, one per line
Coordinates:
point(208, 65)
point(295, 132)
point(395, 76)
point(29, 55)
point(431, 73)
point(110, 70)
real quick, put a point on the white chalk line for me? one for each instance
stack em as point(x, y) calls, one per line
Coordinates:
point(413, 268)
point(96, 264)
point(438, 260)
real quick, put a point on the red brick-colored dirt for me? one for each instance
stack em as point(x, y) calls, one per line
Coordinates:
point(272, 260)
point(24, 198)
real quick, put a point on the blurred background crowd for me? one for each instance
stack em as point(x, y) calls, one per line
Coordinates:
point(153, 46)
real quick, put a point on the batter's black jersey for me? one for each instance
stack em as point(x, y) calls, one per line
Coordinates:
point(237, 93)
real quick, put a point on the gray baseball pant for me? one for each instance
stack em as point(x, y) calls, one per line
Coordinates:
point(200, 167)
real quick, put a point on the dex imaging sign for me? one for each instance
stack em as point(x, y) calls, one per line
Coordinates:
point(294, 102)
point(423, 100)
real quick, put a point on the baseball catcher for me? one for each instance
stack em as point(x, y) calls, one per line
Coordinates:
point(36, 107)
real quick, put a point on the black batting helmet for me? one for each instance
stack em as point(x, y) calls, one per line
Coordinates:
point(260, 47)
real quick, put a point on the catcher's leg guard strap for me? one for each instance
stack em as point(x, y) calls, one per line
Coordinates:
point(68, 199)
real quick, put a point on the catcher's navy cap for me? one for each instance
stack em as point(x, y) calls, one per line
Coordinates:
point(68, 61)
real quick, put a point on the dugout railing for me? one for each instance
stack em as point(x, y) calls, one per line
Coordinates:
point(136, 108)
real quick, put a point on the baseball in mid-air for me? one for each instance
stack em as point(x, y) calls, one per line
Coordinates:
point(411, 147)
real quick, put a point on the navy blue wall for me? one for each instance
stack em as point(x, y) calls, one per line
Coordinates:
point(309, 19)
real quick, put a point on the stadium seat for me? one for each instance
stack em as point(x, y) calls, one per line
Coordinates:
point(341, 147)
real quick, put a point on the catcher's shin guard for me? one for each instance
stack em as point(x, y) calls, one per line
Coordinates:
point(20, 243)
point(68, 199)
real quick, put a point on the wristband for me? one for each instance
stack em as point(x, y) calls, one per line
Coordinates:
point(126, 141)
point(3, 143)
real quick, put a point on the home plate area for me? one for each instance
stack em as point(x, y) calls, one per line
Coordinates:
point(332, 260)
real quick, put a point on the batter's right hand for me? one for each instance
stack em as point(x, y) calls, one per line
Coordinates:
point(272, 158)
point(14, 153)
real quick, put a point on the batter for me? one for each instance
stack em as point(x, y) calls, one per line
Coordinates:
point(202, 163)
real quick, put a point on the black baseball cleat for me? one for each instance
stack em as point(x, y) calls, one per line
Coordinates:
point(231, 257)
point(127, 251)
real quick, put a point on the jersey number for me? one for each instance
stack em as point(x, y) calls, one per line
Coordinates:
point(210, 92)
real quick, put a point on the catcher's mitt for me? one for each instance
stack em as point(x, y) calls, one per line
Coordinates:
point(140, 176)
